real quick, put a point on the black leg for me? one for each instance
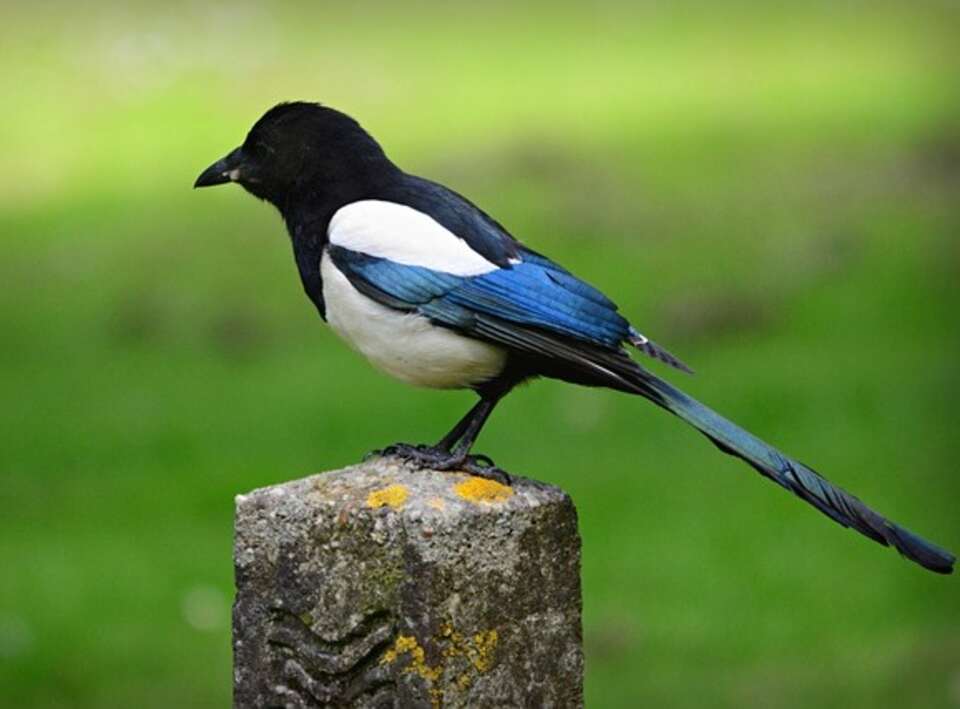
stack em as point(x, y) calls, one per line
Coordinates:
point(446, 443)
point(452, 451)
point(475, 419)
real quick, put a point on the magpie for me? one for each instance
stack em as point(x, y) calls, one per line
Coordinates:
point(435, 292)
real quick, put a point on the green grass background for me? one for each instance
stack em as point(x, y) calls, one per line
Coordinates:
point(772, 191)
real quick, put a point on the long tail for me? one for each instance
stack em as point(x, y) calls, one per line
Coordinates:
point(834, 502)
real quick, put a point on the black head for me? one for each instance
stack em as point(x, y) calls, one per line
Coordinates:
point(303, 151)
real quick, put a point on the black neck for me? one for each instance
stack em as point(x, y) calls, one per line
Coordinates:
point(308, 208)
point(307, 213)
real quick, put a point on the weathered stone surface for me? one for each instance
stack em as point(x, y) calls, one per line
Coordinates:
point(378, 586)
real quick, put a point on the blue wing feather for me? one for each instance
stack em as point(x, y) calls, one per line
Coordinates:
point(527, 293)
point(563, 277)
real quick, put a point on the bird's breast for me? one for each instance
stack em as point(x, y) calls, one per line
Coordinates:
point(406, 346)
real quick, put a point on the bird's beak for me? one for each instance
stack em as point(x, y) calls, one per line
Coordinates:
point(222, 171)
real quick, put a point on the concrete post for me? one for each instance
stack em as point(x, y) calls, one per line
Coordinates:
point(378, 586)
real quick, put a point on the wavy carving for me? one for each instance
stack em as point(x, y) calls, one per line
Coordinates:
point(338, 672)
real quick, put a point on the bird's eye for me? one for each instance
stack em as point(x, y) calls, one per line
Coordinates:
point(257, 150)
point(262, 149)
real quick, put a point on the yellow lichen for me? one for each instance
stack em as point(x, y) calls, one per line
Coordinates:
point(407, 644)
point(447, 631)
point(484, 650)
point(391, 496)
point(479, 651)
point(436, 503)
point(477, 489)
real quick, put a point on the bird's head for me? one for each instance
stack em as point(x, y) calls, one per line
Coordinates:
point(302, 151)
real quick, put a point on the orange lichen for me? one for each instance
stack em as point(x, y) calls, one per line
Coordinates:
point(478, 490)
point(391, 496)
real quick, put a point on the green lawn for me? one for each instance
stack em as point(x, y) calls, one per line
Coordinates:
point(771, 193)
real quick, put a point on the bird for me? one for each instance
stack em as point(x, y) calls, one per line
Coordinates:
point(436, 293)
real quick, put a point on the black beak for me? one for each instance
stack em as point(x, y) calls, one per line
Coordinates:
point(222, 171)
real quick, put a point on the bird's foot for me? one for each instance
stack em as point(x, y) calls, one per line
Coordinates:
point(433, 458)
point(422, 456)
point(483, 467)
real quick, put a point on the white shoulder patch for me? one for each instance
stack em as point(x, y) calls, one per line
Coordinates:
point(404, 235)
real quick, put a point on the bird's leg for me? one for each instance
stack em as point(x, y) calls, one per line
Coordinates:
point(452, 451)
point(479, 465)
point(442, 450)
point(472, 423)
point(456, 433)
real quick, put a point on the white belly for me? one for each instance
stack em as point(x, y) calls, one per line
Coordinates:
point(405, 345)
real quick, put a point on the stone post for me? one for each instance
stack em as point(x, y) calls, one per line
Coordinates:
point(379, 586)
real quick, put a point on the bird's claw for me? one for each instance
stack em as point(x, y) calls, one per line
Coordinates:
point(482, 466)
point(427, 457)
point(399, 450)
point(422, 456)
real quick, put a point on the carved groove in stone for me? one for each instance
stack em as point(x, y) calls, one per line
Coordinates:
point(320, 672)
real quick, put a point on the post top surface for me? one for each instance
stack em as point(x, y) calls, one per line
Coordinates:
point(388, 485)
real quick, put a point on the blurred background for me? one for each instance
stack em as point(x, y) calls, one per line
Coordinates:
point(771, 192)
